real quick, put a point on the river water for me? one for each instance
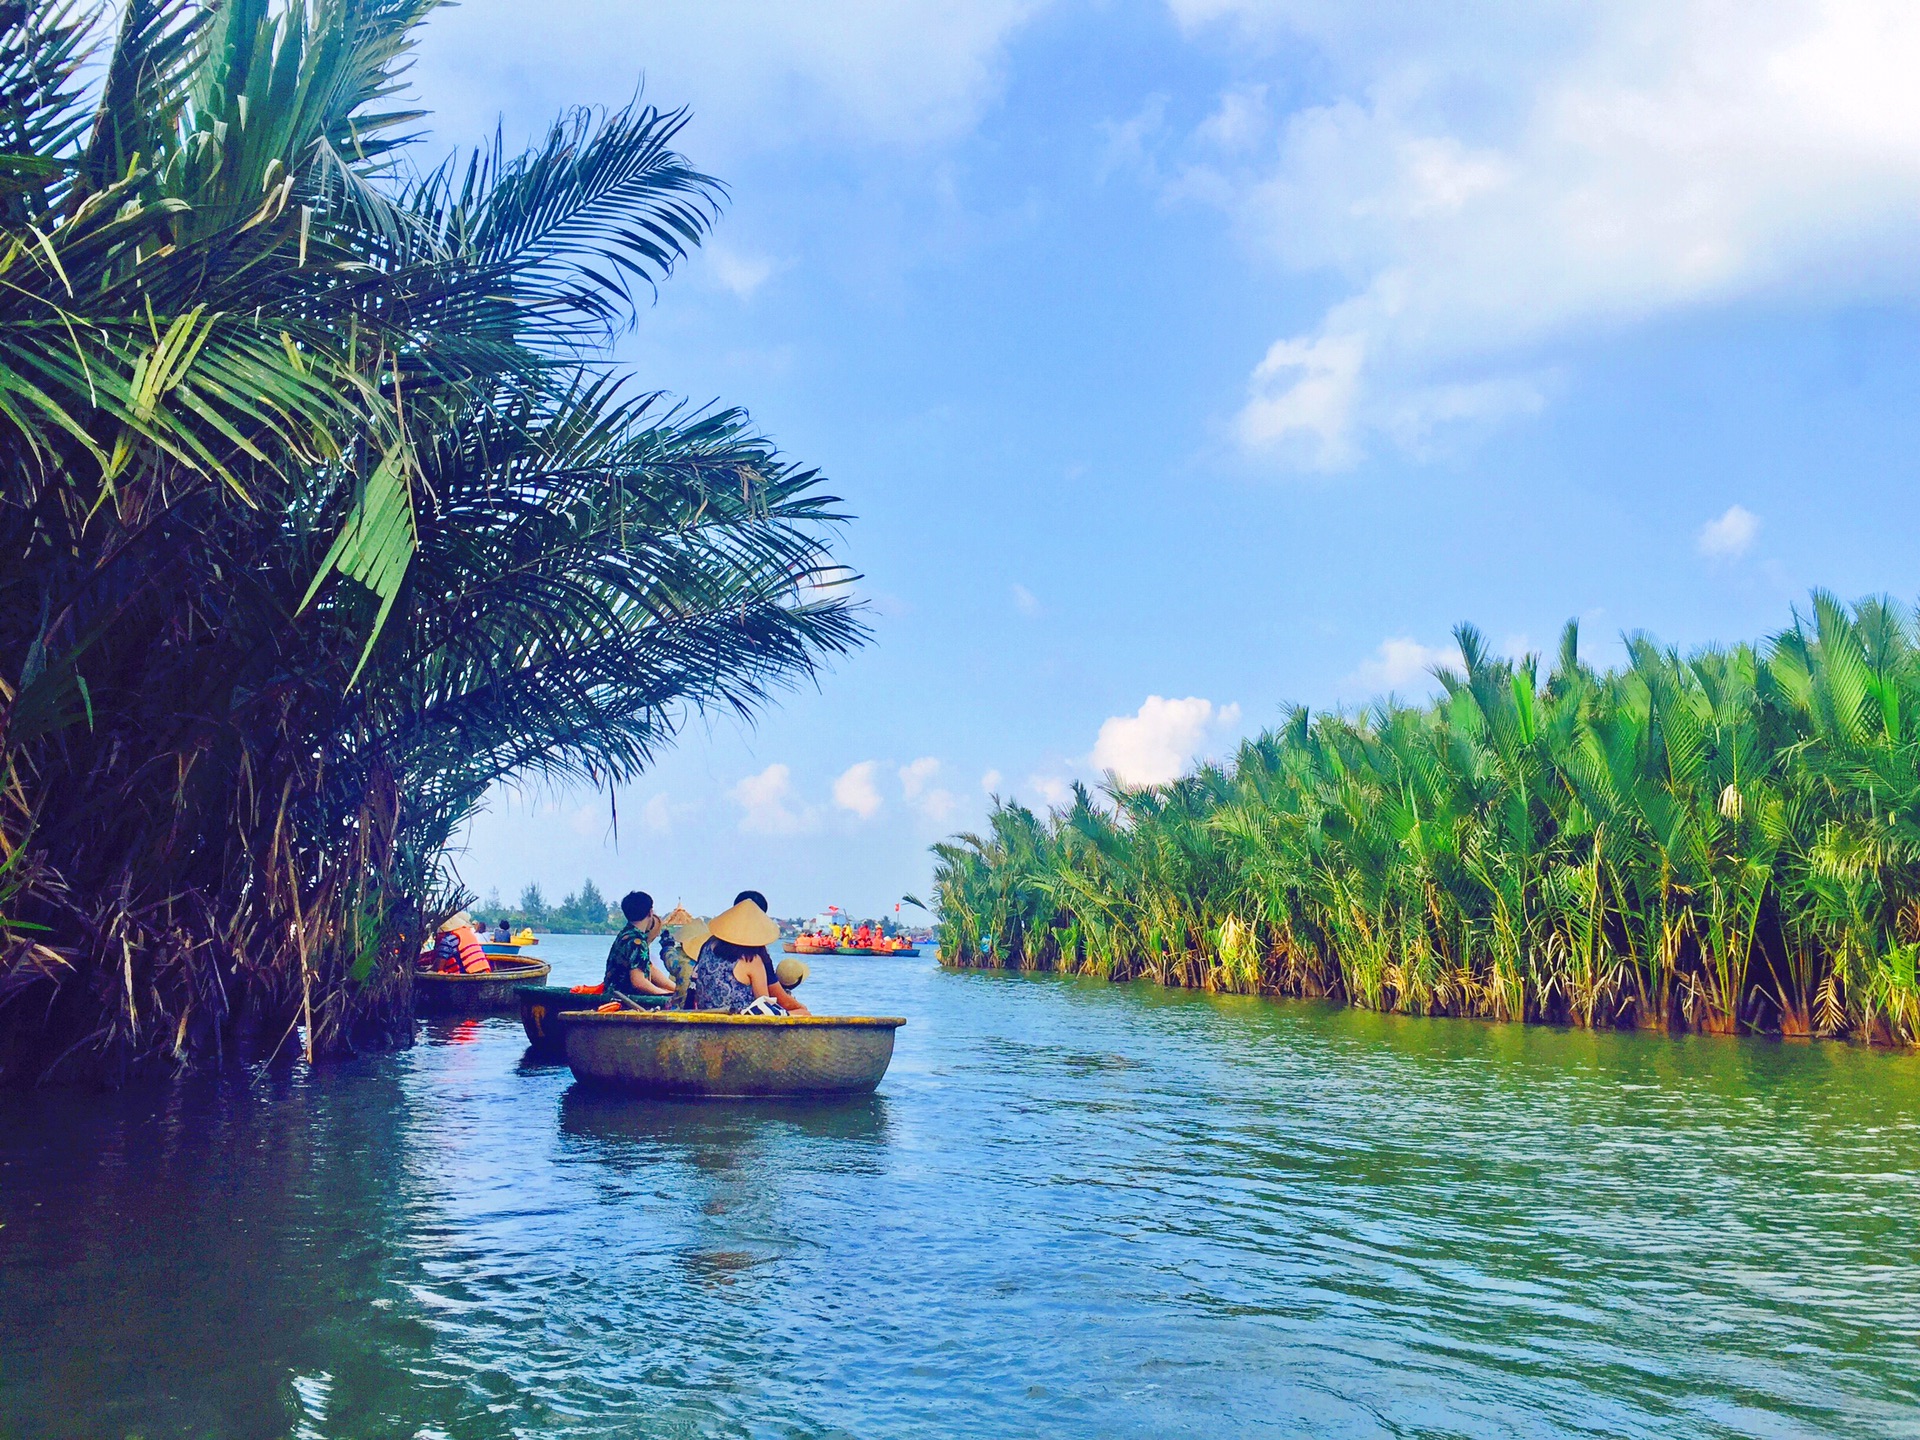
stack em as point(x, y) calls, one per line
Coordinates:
point(1073, 1209)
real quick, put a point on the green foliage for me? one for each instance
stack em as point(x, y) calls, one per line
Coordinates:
point(533, 905)
point(1729, 840)
point(320, 516)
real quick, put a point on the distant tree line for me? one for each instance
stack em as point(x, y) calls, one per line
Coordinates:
point(582, 912)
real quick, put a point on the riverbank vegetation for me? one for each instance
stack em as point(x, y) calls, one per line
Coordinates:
point(580, 912)
point(320, 514)
point(1723, 841)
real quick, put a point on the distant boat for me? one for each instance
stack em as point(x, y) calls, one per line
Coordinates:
point(793, 949)
point(706, 1055)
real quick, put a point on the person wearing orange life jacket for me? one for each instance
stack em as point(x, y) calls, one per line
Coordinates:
point(458, 949)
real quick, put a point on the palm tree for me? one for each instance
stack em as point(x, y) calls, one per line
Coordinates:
point(321, 516)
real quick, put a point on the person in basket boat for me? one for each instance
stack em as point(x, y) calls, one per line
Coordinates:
point(502, 934)
point(734, 973)
point(457, 949)
point(630, 971)
point(683, 937)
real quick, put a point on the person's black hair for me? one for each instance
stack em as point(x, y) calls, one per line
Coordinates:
point(754, 895)
point(636, 906)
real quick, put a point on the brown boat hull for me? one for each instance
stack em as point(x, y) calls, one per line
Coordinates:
point(435, 993)
point(543, 1008)
point(709, 1055)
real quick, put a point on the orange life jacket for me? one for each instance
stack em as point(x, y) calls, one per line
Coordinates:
point(473, 955)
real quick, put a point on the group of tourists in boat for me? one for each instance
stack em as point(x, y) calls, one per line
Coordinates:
point(687, 1006)
point(721, 964)
point(672, 962)
point(826, 937)
point(463, 947)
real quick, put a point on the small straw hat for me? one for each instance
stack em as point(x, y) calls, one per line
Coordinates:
point(790, 972)
point(691, 936)
point(455, 921)
point(745, 924)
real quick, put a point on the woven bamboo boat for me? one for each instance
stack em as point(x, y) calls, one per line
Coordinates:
point(438, 993)
point(709, 1055)
point(543, 1008)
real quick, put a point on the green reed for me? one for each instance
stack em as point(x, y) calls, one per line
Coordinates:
point(1723, 841)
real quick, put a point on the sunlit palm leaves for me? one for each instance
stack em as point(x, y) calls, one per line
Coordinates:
point(321, 516)
point(1724, 840)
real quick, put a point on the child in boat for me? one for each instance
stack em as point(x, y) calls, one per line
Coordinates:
point(733, 971)
point(630, 973)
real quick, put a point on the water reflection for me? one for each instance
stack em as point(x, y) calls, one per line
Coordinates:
point(723, 1134)
point(1074, 1209)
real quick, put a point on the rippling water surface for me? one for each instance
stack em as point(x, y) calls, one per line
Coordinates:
point(1073, 1209)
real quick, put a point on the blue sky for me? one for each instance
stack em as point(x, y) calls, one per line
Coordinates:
point(1185, 358)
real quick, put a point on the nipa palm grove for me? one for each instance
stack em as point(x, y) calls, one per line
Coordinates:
point(1724, 842)
point(321, 513)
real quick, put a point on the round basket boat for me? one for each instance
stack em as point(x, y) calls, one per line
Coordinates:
point(437, 993)
point(544, 1007)
point(709, 1055)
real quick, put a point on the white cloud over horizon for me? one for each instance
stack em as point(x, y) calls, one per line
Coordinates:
point(855, 791)
point(758, 74)
point(917, 787)
point(1513, 179)
point(1157, 742)
point(767, 803)
point(1400, 663)
point(1729, 536)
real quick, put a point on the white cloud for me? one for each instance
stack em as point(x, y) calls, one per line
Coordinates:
point(1494, 181)
point(1053, 790)
point(1730, 536)
point(990, 782)
point(1398, 664)
point(855, 790)
point(916, 784)
point(740, 273)
point(1156, 743)
point(1301, 398)
point(917, 775)
point(766, 804)
point(1240, 120)
point(590, 820)
point(757, 73)
point(1024, 601)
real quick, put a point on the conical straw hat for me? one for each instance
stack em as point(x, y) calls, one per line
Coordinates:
point(745, 924)
point(455, 921)
point(691, 936)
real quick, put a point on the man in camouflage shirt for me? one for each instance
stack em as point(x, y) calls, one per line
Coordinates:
point(630, 974)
